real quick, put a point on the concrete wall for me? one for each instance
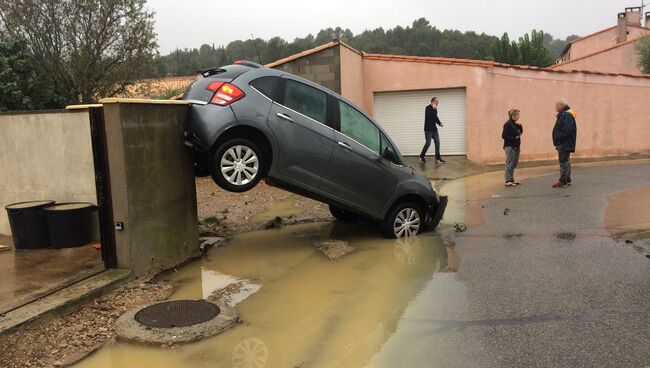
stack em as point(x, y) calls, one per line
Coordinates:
point(623, 59)
point(323, 67)
point(45, 155)
point(152, 183)
point(351, 75)
point(612, 120)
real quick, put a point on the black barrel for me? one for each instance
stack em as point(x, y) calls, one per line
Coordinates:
point(28, 226)
point(70, 224)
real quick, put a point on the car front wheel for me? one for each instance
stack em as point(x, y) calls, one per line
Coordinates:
point(237, 165)
point(404, 219)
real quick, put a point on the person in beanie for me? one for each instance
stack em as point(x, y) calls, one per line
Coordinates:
point(564, 140)
point(431, 130)
point(511, 135)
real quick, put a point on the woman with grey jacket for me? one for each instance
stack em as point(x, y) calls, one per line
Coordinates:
point(511, 135)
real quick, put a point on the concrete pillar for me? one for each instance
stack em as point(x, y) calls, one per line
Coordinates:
point(152, 183)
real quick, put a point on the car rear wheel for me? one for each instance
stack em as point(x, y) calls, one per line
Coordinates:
point(343, 215)
point(237, 165)
point(404, 219)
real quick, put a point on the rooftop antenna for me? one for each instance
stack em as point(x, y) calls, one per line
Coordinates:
point(256, 50)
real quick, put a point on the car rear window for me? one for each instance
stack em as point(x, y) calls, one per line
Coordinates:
point(266, 85)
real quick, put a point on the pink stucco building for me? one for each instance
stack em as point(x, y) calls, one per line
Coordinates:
point(613, 106)
point(611, 49)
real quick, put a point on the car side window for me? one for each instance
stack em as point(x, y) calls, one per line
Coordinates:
point(356, 126)
point(266, 85)
point(306, 100)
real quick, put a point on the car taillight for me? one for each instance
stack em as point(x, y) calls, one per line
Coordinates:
point(224, 93)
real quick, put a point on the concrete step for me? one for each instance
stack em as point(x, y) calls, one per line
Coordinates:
point(65, 297)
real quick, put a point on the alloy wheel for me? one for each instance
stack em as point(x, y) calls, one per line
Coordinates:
point(239, 165)
point(407, 222)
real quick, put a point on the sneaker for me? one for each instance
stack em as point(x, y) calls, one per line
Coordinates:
point(423, 160)
point(440, 161)
point(510, 184)
point(560, 184)
point(516, 183)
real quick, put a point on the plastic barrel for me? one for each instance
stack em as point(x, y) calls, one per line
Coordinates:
point(28, 226)
point(70, 224)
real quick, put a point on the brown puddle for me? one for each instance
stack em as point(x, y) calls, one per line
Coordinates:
point(627, 214)
point(302, 310)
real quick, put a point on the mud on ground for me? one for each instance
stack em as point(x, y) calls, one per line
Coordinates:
point(223, 213)
point(65, 338)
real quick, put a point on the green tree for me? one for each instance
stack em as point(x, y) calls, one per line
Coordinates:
point(529, 50)
point(89, 48)
point(505, 51)
point(643, 51)
point(20, 87)
point(419, 38)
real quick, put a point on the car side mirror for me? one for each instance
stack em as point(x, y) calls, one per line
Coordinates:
point(389, 154)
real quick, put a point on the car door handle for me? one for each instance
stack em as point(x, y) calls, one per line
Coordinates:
point(284, 117)
point(344, 145)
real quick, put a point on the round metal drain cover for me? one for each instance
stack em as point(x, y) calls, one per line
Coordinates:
point(177, 313)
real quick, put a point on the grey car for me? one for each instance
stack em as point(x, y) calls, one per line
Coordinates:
point(248, 122)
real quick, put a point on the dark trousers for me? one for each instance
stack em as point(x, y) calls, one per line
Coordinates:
point(436, 140)
point(512, 160)
point(565, 165)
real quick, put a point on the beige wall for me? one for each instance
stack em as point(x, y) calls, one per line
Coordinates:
point(623, 59)
point(351, 75)
point(45, 155)
point(611, 119)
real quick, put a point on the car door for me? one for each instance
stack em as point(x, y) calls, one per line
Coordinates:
point(357, 175)
point(298, 120)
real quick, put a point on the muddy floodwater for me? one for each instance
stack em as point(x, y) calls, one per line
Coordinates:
point(300, 309)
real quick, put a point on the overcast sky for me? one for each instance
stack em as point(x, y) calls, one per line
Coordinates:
point(194, 22)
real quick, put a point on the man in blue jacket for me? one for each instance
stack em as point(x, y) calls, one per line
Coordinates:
point(564, 140)
point(431, 131)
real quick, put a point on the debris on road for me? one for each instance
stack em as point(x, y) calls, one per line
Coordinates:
point(506, 212)
point(333, 249)
point(274, 223)
point(460, 227)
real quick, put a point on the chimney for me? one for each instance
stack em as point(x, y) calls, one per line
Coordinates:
point(622, 28)
point(633, 16)
point(647, 19)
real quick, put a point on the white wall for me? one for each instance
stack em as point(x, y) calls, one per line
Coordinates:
point(45, 155)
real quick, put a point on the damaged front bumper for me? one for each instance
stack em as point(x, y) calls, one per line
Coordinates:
point(437, 212)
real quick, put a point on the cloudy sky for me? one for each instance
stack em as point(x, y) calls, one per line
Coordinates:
point(194, 22)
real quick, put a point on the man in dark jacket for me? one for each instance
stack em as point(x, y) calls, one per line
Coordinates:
point(431, 130)
point(564, 140)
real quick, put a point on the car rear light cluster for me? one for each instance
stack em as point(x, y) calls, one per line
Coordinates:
point(224, 93)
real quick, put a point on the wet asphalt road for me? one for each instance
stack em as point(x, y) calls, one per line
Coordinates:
point(543, 286)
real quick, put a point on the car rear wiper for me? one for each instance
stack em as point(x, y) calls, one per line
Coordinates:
point(211, 71)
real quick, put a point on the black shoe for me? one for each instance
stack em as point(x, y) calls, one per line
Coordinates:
point(423, 160)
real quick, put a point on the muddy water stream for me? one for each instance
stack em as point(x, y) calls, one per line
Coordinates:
point(299, 309)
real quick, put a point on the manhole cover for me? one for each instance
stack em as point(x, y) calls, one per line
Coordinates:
point(177, 313)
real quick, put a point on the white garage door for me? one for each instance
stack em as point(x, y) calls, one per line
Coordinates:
point(401, 114)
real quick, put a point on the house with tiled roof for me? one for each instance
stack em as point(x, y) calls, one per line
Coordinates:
point(612, 49)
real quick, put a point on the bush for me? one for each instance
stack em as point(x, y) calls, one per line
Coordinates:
point(643, 50)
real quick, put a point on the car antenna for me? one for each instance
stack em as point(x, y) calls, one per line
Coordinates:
point(256, 50)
